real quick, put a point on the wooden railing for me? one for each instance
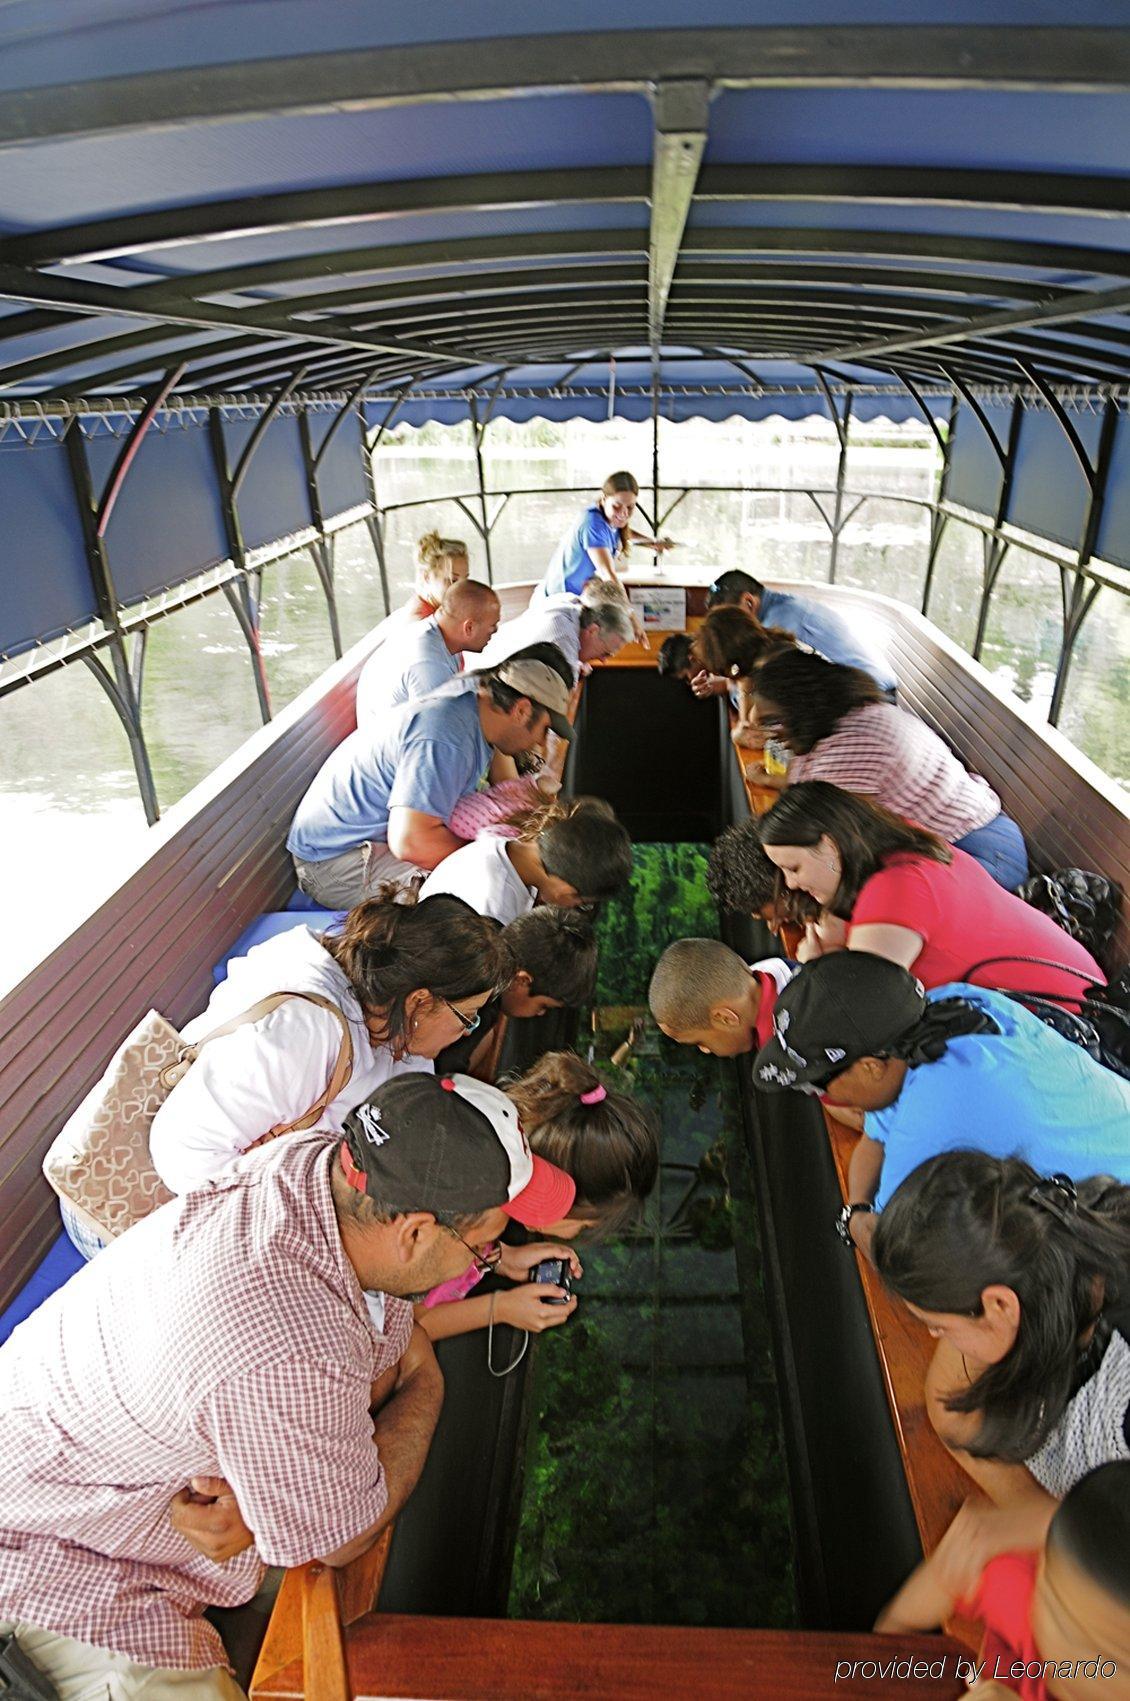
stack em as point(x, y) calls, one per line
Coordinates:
point(491, 1659)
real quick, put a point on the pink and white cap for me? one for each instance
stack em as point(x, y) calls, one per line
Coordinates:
point(539, 1193)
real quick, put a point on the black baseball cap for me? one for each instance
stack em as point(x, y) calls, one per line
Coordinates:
point(451, 1145)
point(833, 1012)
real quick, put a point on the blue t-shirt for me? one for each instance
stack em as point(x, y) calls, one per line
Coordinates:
point(824, 631)
point(423, 756)
point(1026, 1092)
point(410, 665)
point(571, 567)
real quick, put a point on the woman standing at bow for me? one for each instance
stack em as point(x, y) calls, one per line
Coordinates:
point(599, 541)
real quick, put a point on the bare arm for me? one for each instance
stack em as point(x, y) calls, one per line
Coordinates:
point(657, 543)
point(864, 1170)
point(402, 1434)
point(883, 939)
point(422, 839)
point(528, 1306)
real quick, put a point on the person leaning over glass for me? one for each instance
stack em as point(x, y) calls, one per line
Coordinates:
point(835, 724)
point(409, 980)
point(887, 886)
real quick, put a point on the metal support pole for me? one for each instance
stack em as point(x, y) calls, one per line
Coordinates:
point(837, 522)
point(1077, 604)
point(322, 548)
point(997, 547)
point(655, 486)
point(374, 521)
point(120, 688)
point(244, 602)
point(939, 520)
point(484, 528)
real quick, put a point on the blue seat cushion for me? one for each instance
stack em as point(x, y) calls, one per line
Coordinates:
point(57, 1266)
point(299, 901)
point(276, 921)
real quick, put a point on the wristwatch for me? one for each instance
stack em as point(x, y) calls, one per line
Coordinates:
point(843, 1222)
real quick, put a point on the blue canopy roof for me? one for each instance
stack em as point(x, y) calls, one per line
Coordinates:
point(251, 193)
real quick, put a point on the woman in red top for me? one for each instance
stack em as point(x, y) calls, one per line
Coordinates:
point(889, 887)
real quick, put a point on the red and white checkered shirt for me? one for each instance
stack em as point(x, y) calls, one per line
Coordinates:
point(226, 1335)
point(891, 756)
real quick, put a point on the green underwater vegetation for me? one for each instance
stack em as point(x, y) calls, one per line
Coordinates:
point(654, 1480)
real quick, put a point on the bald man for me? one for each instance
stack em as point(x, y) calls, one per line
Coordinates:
point(425, 655)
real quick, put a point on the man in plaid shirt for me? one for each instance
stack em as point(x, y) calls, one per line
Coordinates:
point(259, 1331)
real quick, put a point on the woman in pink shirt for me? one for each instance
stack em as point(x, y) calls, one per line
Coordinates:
point(840, 727)
point(887, 886)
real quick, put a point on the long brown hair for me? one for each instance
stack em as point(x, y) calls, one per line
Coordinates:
point(731, 642)
point(813, 695)
point(861, 831)
point(610, 1148)
point(615, 485)
point(387, 950)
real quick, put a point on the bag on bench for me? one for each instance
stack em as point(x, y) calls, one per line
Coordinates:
point(99, 1161)
point(1096, 1022)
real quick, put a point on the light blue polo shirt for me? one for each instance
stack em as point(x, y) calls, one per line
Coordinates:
point(423, 756)
point(410, 665)
point(572, 567)
point(824, 631)
point(1026, 1092)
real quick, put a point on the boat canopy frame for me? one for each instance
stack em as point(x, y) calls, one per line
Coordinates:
point(243, 255)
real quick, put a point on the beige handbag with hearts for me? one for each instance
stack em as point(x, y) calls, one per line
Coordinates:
point(99, 1161)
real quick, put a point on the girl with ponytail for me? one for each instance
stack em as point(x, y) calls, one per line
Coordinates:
point(440, 562)
point(404, 979)
point(608, 1144)
point(1024, 1279)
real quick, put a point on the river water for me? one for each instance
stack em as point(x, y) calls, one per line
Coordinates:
point(71, 810)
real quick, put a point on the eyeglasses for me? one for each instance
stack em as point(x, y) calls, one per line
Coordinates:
point(484, 1261)
point(467, 1023)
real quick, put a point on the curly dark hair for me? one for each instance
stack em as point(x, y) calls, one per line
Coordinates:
point(739, 875)
point(674, 658)
point(812, 694)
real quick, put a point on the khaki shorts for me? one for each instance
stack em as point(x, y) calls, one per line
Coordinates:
point(342, 881)
point(82, 1673)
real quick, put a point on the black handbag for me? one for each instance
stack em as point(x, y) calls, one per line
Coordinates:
point(1098, 1024)
point(1085, 904)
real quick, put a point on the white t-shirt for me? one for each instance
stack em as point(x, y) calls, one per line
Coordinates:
point(268, 1071)
point(550, 620)
point(483, 875)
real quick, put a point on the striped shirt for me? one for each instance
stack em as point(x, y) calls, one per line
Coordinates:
point(225, 1335)
point(891, 756)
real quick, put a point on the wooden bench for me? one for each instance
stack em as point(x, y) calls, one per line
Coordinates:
point(477, 1659)
point(936, 1481)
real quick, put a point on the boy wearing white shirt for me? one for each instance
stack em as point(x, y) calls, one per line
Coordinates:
point(571, 854)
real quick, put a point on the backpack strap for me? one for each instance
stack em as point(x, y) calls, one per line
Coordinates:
point(339, 1075)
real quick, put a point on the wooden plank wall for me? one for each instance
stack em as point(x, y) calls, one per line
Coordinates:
point(214, 864)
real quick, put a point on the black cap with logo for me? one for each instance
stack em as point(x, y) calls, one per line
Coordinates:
point(833, 1012)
